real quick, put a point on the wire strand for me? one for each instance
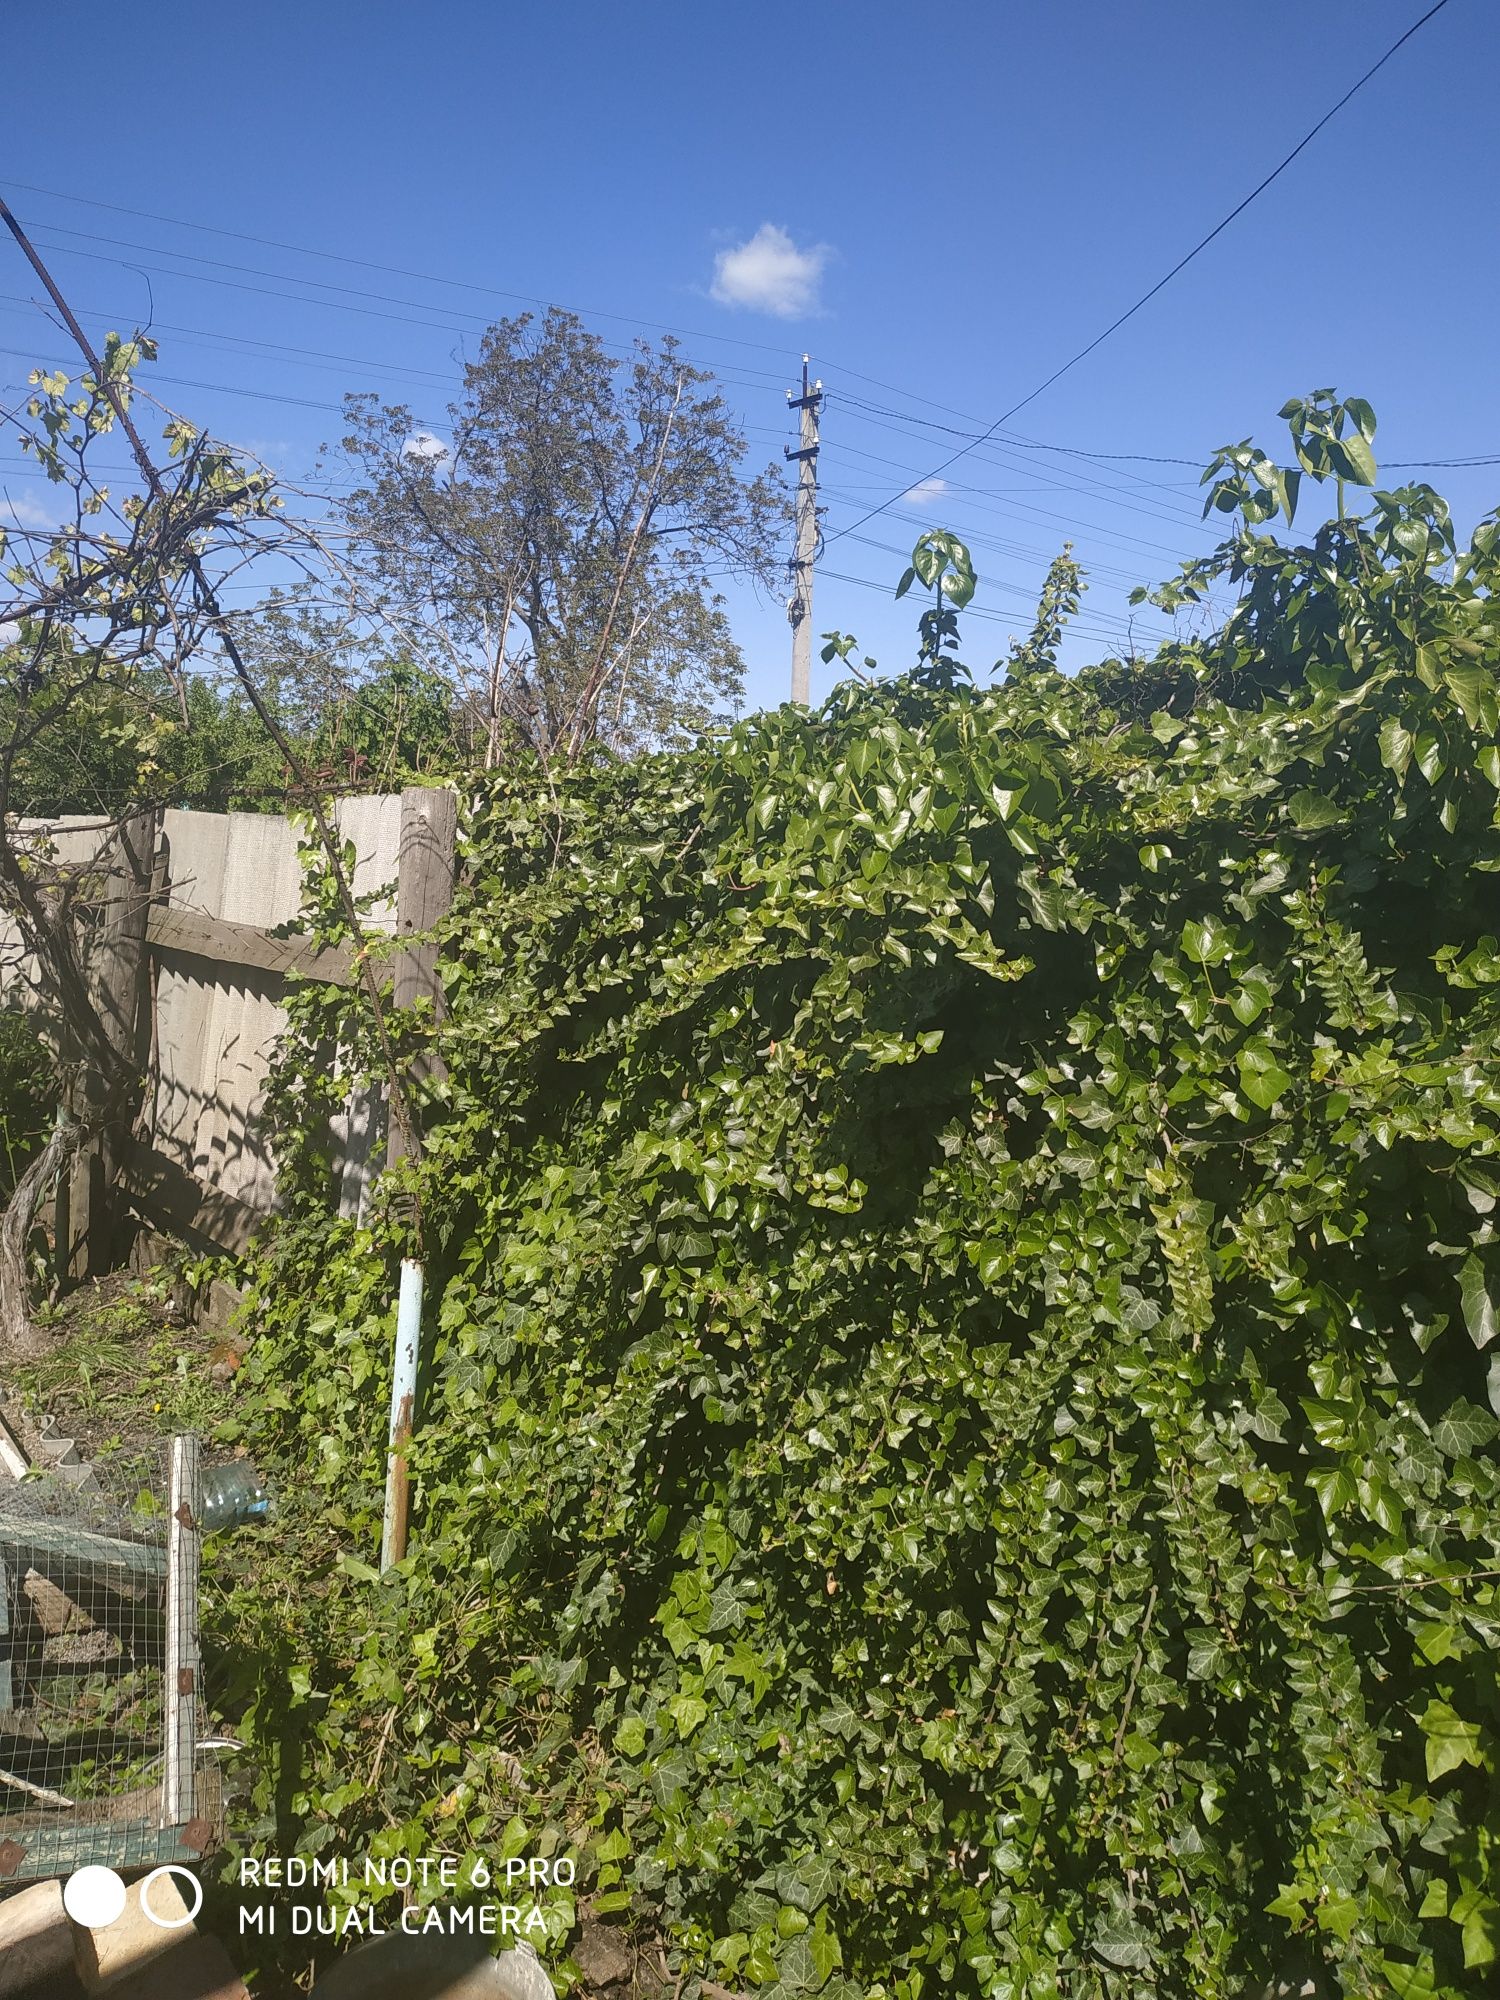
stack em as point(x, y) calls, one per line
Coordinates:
point(1181, 264)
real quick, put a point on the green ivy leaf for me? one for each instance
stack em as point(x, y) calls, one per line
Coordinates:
point(1262, 1078)
point(1479, 1916)
point(1396, 744)
point(1336, 1489)
point(1463, 1429)
point(1205, 940)
point(630, 1736)
point(1410, 1982)
point(687, 1711)
point(1250, 999)
point(1480, 1316)
point(1119, 1940)
point(1310, 810)
point(1450, 1740)
point(807, 1884)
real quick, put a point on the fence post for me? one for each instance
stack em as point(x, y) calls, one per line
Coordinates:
point(424, 891)
point(180, 1692)
point(119, 982)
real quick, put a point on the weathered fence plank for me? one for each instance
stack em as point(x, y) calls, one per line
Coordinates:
point(174, 1203)
point(219, 1006)
point(191, 960)
point(424, 892)
point(219, 942)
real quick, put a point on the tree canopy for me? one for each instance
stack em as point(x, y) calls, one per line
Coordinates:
point(561, 544)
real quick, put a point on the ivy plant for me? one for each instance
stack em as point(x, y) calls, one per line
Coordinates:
point(958, 1447)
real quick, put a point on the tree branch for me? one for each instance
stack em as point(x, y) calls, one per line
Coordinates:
point(399, 1108)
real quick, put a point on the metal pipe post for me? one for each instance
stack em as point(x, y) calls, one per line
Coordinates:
point(403, 1406)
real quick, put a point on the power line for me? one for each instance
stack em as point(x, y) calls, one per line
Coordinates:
point(313, 355)
point(217, 388)
point(1033, 558)
point(1016, 443)
point(1181, 264)
point(307, 402)
point(477, 322)
point(974, 441)
point(357, 263)
point(1021, 551)
point(16, 304)
point(979, 539)
point(395, 270)
point(974, 611)
point(993, 452)
point(992, 583)
point(1070, 523)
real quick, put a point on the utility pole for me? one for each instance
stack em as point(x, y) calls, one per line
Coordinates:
point(799, 605)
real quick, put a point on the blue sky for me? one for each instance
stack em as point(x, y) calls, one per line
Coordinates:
point(943, 207)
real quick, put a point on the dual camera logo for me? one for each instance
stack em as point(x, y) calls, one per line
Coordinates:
point(95, 1898)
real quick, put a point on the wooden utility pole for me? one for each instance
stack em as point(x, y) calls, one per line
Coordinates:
point(799, 605)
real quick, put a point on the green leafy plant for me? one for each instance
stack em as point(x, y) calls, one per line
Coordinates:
point(1062, 593)
point(942, 563)
point(959, 1442)
point(27, 1096)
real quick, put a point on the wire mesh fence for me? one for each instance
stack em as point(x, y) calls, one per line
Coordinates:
point(99, 1672)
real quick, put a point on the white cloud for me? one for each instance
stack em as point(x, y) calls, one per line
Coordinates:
point(926, 491)
point(26, 512)
point(770, 274)
point(423, 445)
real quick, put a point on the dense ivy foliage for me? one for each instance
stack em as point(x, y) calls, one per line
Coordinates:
point(958, 1453)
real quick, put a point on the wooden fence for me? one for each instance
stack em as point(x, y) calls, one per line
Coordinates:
point(204, 974)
